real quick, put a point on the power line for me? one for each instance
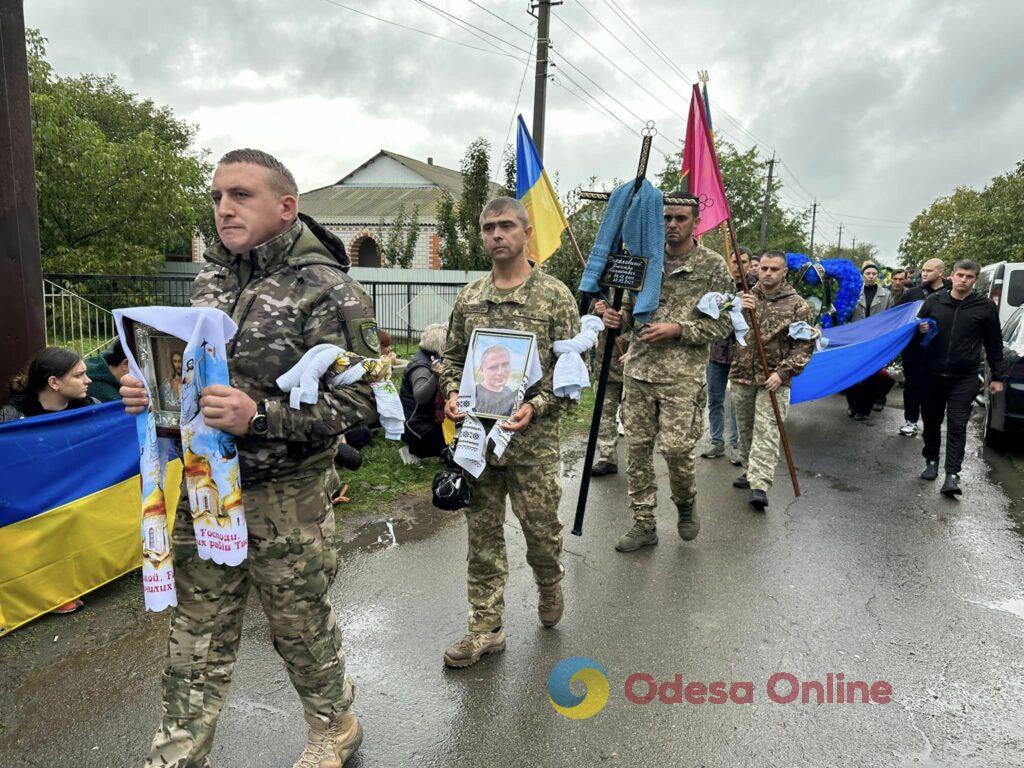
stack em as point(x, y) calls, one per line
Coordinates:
point(644, 37)
point(422, 31)
point(601, 53)
point(611, 96)
point(467, 27)
point(735, 139)
point(649, 41)
point(515, 109)
point(505, 21)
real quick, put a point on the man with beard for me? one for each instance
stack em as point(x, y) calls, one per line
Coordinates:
point(664, 371)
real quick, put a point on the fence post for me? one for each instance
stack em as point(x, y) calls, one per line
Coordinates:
point(408, 310)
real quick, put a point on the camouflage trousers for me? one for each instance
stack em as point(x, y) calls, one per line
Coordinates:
point(759, 437)
point(674, 414)
point(534, 492)
point(608, 435)
point(291, 562)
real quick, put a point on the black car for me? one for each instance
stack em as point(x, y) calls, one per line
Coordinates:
point(1004, 413)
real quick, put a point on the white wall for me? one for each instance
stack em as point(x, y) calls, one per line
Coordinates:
point(384, 171)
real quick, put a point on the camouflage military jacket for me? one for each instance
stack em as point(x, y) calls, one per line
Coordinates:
point(786, 356)
point(287, 296)
point(541, 305)
point(684, 283)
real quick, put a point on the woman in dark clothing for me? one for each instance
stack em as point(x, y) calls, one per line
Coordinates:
point(54, 381)
point(423, 433)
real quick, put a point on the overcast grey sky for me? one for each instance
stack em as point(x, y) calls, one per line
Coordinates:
point(875, 107)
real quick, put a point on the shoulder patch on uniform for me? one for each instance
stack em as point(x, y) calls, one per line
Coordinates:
point(370, 334)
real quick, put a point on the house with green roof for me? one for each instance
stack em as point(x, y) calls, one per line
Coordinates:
point(361, 205)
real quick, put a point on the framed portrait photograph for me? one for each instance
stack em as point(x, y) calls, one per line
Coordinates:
point(499, 360)
point(161, 358)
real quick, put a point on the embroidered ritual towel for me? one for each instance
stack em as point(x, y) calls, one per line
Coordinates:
point(211, 469)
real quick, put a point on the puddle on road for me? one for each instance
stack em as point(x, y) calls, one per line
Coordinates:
point(414, 519)
point(1007, 469)
point(1014, 605)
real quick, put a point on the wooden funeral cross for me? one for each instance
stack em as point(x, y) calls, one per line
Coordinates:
point(623, 272)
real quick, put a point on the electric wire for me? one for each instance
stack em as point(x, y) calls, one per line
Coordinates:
point(421, 31)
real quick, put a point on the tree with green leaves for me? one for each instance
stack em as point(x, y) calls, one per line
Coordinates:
point(399, 237)
point(945, 230)
point(459, 223)
point(118, 182)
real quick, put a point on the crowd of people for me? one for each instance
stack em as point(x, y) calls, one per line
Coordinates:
point(670, 364)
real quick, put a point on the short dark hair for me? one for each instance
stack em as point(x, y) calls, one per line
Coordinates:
point(280, 178)
point(746, 252)
point(755, 257)
point(968, 265)
point(899, 271)
point(773, 254)
point(868, 265)
point(504, 204)
point(51, 361)
point(115, 355)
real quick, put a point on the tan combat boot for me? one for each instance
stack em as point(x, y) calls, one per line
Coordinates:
point(689, 524)
point(467, 651)
point(551, 604)
point(331, 746)
point(640, 535)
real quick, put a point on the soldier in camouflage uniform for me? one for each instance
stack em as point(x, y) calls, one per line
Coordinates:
point(776, 305)
point(665, 386)
point(283, 281)
point(514, 296)
point(608, 434)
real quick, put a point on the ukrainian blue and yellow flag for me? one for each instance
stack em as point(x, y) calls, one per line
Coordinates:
point(534, 191)
point(69, 507)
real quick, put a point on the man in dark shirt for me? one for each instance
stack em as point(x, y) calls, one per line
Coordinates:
point(932, 279)
point(966, 321)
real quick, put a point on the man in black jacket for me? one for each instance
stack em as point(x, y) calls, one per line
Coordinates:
point(932, 279)
point(966, 321)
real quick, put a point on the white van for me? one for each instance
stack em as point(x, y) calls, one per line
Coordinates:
point(1003, 282)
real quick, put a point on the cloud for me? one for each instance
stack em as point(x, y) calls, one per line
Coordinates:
point(876, 108)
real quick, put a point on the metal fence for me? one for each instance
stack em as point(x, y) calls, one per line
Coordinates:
point(74, 321)
point(78, 306)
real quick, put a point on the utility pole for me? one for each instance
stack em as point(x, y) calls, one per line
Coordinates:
point(764, 208)
point(854, 246)
point(21, 282)
point(814, 222)
point(839, 245)
point(540, 87)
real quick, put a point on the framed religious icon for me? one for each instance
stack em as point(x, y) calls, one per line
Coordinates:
point(499, 360)
point(161, 357)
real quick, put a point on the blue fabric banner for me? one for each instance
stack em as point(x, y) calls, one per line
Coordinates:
point(855, 351)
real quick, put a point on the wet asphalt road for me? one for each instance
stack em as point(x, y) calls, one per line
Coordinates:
point(870, 573)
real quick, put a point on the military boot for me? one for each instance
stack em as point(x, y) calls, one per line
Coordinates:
point(550, 605)
point(640, 535)
point(689, 524)
point(331, 746)
point(467, 651)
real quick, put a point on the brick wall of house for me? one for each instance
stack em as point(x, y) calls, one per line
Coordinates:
point(425, 255)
